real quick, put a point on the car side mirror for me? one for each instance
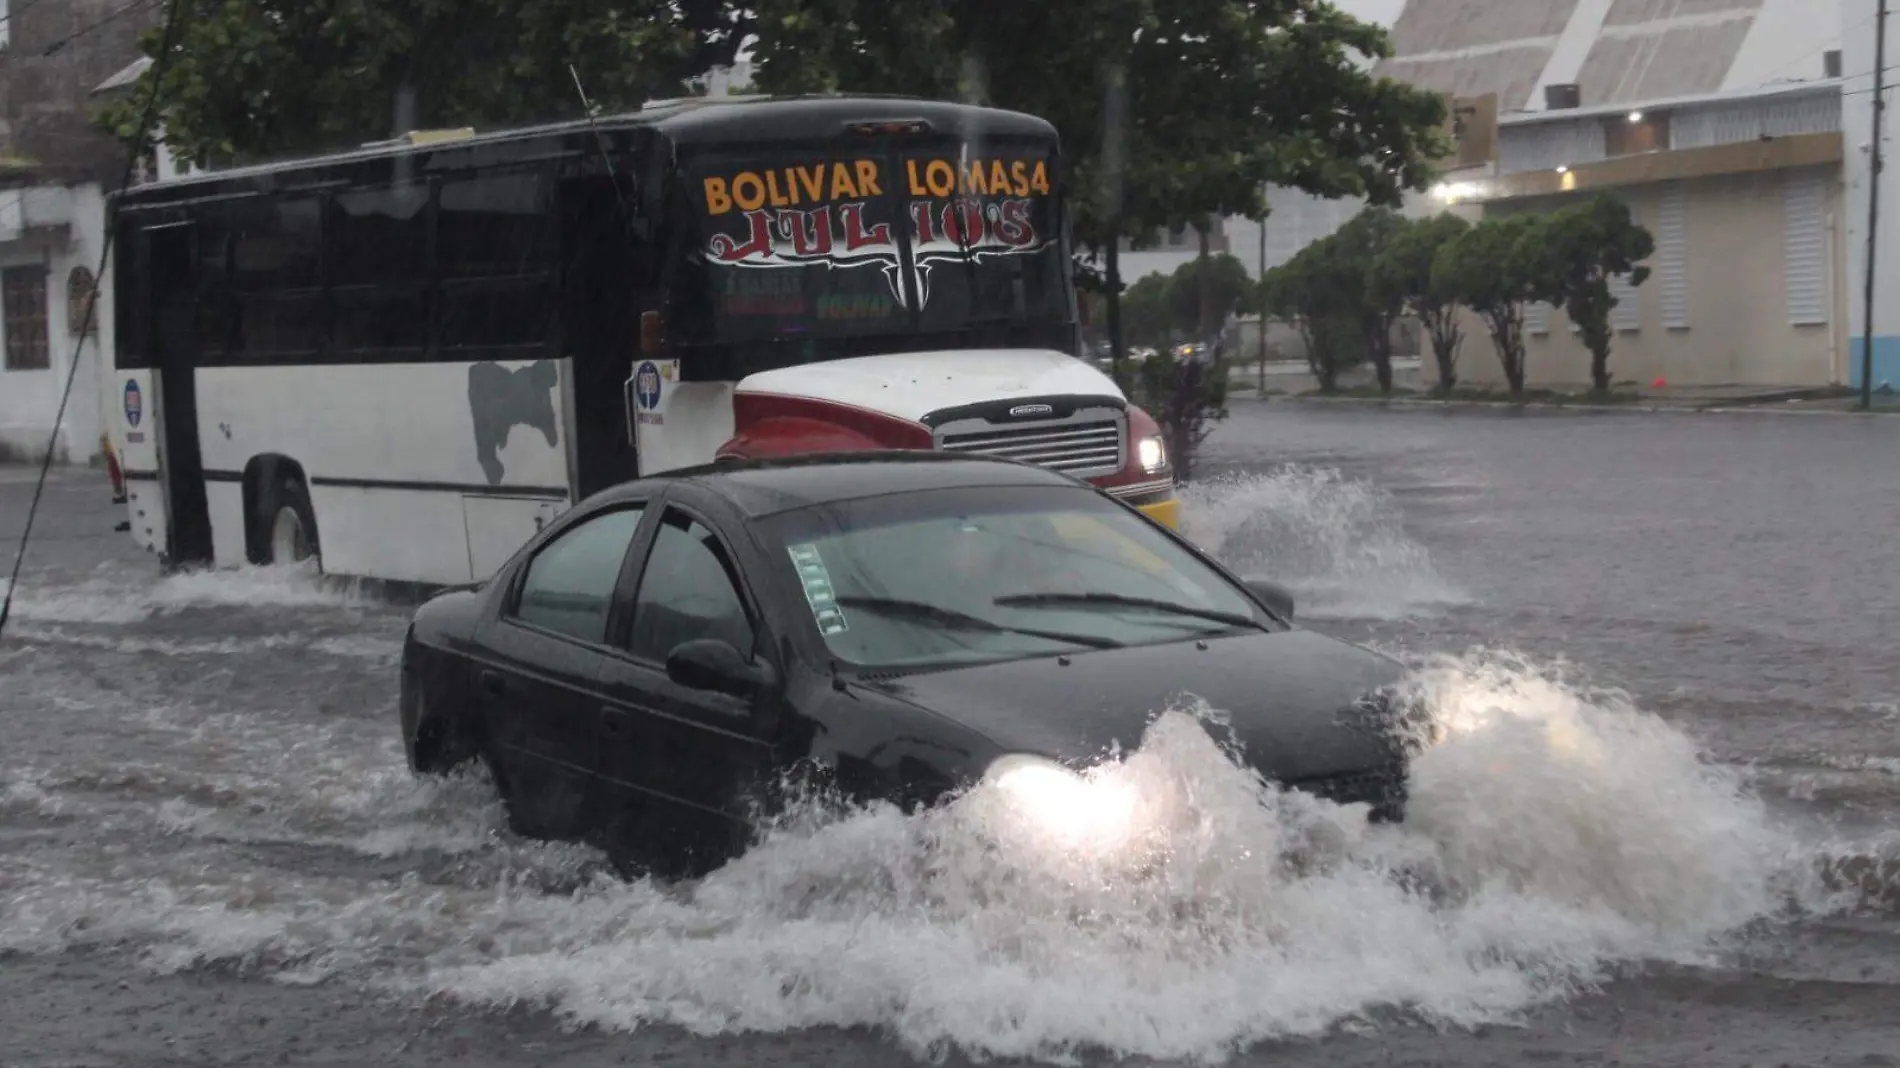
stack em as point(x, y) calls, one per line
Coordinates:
point(1277, 598)
point(711, 664)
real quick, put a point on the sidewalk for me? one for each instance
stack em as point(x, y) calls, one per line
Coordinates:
point(1292, 381)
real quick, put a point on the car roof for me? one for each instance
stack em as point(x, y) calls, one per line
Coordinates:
point(764, 487)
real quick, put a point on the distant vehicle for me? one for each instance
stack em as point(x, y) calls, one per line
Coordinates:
point(895, 625)
point(444, 341)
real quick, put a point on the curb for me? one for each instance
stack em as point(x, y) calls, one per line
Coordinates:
point(1682, 407)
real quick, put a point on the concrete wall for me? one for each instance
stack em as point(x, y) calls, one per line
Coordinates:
point(1734, 282)
point(30, 399)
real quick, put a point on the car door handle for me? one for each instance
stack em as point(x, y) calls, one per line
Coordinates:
point(612, 725)
point(493, 682)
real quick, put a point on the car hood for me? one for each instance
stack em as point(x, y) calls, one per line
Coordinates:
point(911, 385)
point(1290, 697)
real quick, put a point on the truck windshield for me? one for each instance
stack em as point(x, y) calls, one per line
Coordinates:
point(860, 241)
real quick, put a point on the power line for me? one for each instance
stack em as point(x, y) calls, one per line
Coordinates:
point(169, 37)
point(137, 5)
point(12, 11)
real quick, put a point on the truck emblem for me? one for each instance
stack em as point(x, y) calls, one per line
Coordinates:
point(1024, 411)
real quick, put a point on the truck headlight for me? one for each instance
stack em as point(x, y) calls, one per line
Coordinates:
point(1068, 807)
point(1152, 455)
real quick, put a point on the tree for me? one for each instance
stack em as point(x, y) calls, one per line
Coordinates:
point(1492, 269)
point(1148, 311)
point(1312, 292)
point(1223, 96)
point(249, 79)
point(1202, 293)
point(1355, 249)
point(1582, 248)
point(1186, 397)
point(1404, 270)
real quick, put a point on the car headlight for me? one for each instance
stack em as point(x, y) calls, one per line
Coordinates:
point(1061, 804)
point(1152, 455)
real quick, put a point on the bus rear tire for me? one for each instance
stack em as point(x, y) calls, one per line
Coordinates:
point(287, 525)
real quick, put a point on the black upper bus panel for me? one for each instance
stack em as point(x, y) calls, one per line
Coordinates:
point(695, 120)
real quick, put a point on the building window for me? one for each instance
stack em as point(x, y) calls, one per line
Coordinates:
point(1672, 252)
point(1626, 316)
point(81, 317)
point(1804, 200)
point(23, 292)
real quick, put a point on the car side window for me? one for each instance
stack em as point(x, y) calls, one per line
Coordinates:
point(688, 591)
point(569, 585)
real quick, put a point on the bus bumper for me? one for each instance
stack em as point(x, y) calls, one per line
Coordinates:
point(1165, 512)
point(1156, 500)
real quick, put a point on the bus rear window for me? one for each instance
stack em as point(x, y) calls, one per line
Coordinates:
point(800, 246)
point(936, 238)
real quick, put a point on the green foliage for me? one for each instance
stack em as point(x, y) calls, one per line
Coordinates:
point(1373, 308)
point(1581, 249)
point(1148, 311)
point(1228, 291)
point(1403, 271)
point(1492, 268)
point(1322, 291)
point(1186, 397)
point(1159, 309)
point(1223, 96)
point(252, 79)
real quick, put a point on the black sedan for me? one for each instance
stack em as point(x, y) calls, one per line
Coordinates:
point(652, 670)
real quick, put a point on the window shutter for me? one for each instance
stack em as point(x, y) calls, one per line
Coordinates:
point(1672, 255)
point(1804, 201)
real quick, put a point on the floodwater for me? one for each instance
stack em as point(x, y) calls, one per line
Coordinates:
point(1663, 827)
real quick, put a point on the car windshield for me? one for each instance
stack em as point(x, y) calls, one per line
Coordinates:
point(947, 577)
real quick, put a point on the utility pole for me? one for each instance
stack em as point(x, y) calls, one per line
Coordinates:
point(1260, 287)
point(1115, 130)
point(1873, 205)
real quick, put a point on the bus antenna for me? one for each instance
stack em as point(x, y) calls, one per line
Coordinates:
point(600, 141)
point(168, 40)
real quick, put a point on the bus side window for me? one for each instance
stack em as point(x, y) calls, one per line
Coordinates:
point(217, 303)
point(376, 244)
point(276, 261)
point(495, 254)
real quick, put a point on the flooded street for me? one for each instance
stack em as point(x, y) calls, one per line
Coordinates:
point(1664, 827)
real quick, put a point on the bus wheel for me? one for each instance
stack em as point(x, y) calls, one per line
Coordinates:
point(290, 526)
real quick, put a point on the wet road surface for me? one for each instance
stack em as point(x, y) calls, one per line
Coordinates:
point(1663, 830)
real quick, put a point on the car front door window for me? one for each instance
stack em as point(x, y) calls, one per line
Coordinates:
point(688, 591)
point(569, 585)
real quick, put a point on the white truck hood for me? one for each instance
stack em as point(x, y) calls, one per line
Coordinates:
point(910, 385)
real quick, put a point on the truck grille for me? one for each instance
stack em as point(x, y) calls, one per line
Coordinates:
point(1087, 443)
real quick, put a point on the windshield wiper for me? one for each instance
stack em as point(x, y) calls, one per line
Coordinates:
point(1032, 600)
point(950, 617)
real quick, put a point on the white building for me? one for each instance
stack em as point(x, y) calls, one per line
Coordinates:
point(50, 237)
point(1857, 99)
point(1743, 194)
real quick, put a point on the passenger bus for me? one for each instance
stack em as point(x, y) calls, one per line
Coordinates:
point(405, 359)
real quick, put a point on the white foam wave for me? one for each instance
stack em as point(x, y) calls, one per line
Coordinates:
point(1339, 544)
point(1555, 834)
point(116, 596)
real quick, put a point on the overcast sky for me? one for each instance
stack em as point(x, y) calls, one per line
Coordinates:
point(1383, 12)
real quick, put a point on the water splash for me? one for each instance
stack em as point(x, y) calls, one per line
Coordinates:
point(1556, 833)
point(1339, 544)
point(119, 595)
